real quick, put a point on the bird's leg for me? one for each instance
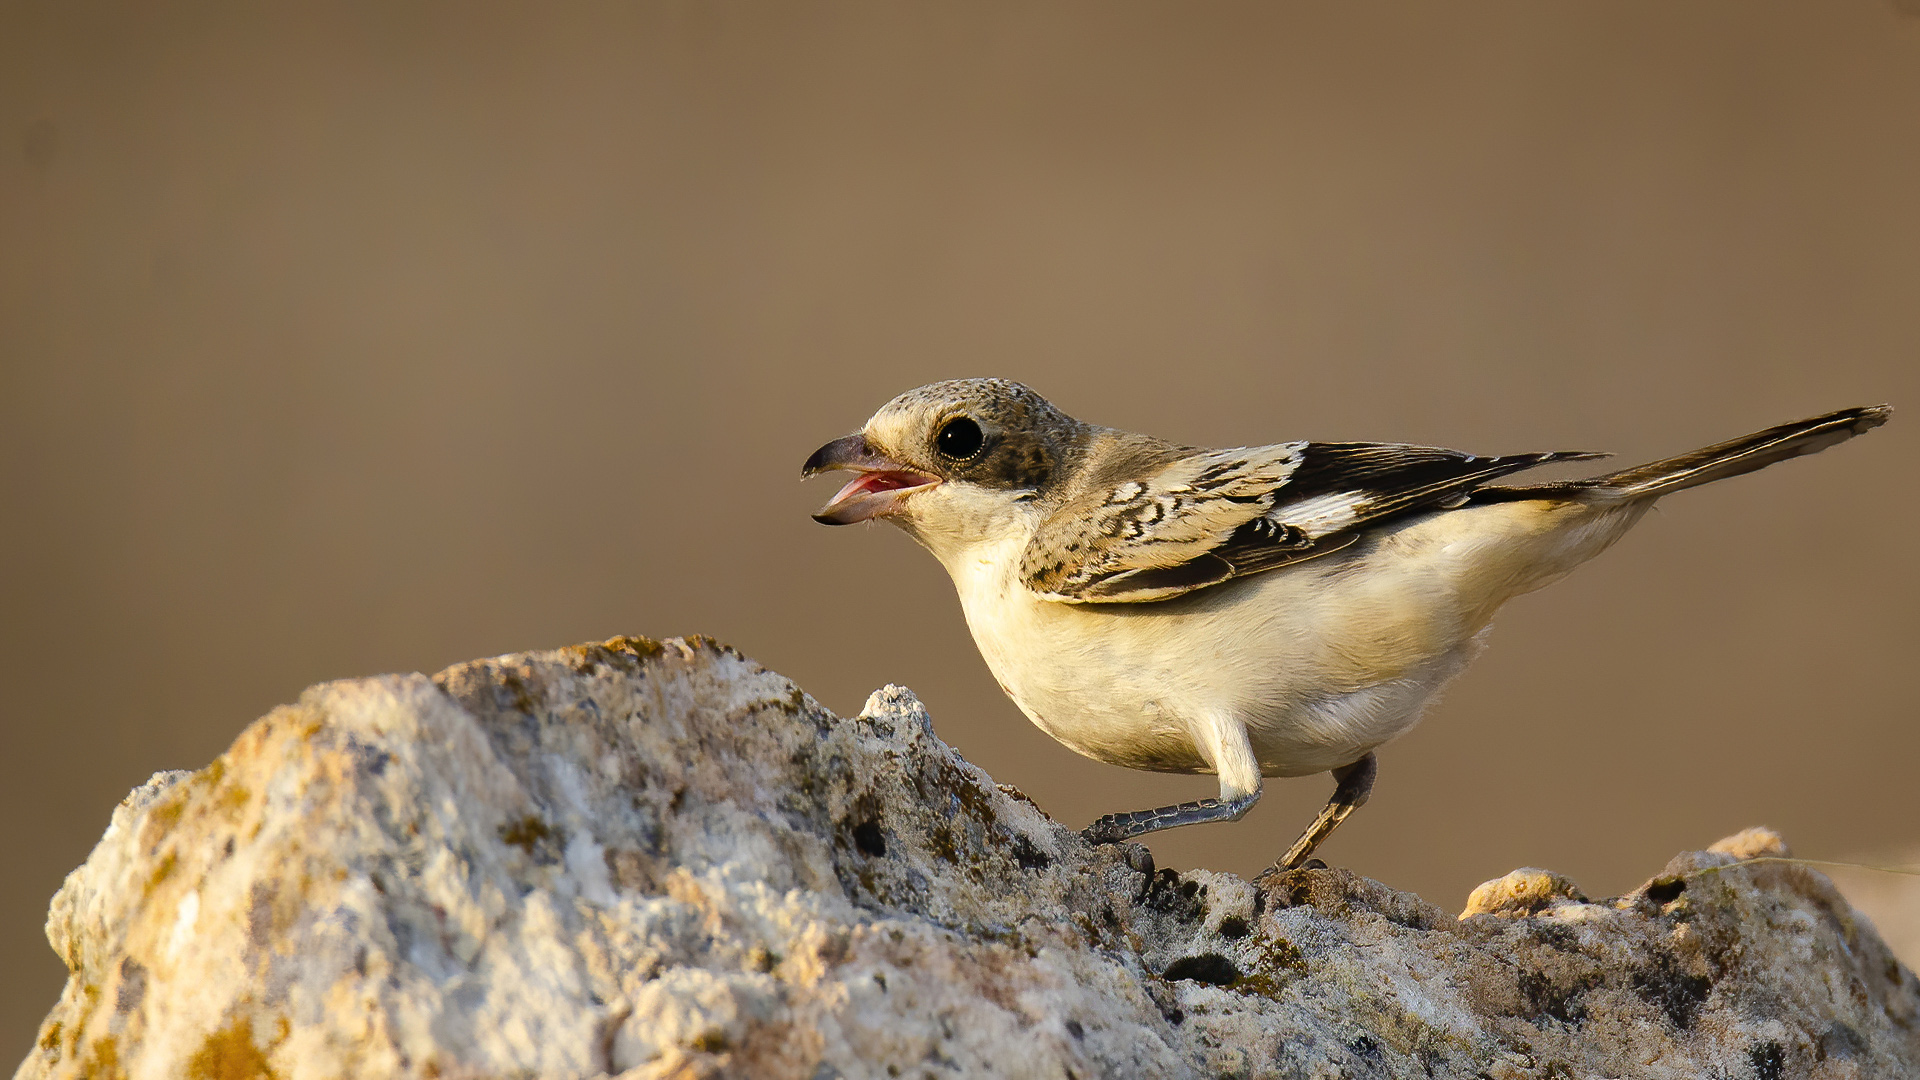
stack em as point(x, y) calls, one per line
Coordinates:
point(1355, 784)
point(1114, 828)
point(1222, 740)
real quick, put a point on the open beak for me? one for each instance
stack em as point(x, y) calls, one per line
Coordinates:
point(881, 485)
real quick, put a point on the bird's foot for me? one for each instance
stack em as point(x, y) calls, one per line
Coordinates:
point(1114, 828)
point(1355, 784)
point(1276, 869)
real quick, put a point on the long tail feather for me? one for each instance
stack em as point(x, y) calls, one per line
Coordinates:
point(1707, 464)
point(1737, 456)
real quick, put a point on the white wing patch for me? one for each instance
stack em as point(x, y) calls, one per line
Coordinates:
point(1322, 514)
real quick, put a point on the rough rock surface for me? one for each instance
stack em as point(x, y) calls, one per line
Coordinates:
point(661, 860)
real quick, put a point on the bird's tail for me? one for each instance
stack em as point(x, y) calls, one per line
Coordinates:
point(1736, 456)
point(1707, 464)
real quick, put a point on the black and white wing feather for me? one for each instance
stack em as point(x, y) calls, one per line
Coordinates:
point(1153, 537)
point(1212, 515)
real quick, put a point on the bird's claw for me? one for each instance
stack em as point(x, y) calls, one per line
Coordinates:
point(1110, 829)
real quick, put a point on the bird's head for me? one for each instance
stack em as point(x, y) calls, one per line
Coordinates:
point(944, 448)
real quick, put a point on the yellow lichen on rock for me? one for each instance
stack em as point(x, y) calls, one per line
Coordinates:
point(1526, 891)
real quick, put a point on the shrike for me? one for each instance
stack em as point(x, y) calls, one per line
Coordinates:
point(1261, 611)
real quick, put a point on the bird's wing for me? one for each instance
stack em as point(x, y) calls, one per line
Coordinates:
point(1212, 515)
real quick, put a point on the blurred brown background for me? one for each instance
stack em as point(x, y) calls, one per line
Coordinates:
point(346, 340)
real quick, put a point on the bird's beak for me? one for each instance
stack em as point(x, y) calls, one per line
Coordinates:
point(878, 489)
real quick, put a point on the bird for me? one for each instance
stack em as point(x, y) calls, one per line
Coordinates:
point(1250, 613)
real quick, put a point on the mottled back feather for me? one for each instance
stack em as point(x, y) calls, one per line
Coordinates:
point(1152, 537)
point(1207, 516)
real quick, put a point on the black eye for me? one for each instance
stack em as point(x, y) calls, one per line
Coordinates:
point(959, 439)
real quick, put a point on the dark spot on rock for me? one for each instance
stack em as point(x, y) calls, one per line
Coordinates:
point(1279, 954)
point(517, 692)
point(1027, 855)
point(1259, 903)
point(1665, 890)
point(1839, 1040)
point(1546, 1000)
point(1074, 1029)
point(1206, 967)
point(1364, 1047)
point(867, 837)
point(880, 979)
point(945, 846)
point(368, 758)
point(1769, 1060)
point(1169, 894)
point(1233, 928)
point(712, 1041)
point(1677, 993)
point(133, 986)
point(526, 834)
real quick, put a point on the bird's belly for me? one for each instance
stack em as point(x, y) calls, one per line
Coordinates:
point(1319, 676)
point(1324, 733)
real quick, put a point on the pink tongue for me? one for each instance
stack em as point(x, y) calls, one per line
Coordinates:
point(887, 481)
point(879, 481)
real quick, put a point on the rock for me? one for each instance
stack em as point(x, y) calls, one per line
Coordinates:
point(1526, 891)
point(659, 860)
point(1754, 843)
